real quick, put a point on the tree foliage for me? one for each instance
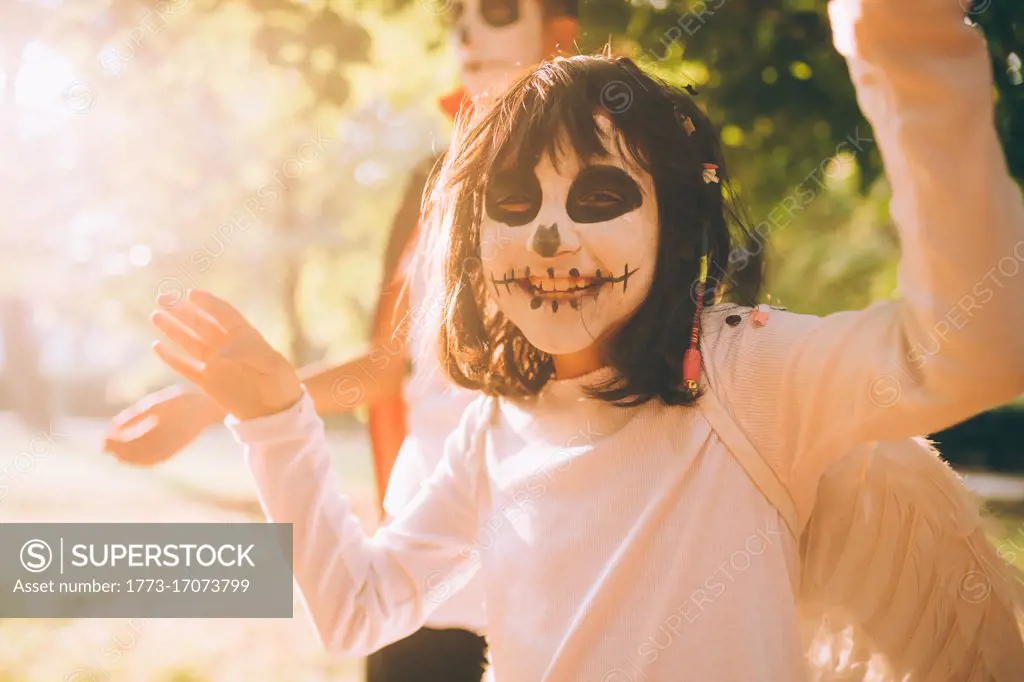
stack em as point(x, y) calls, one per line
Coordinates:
point(176, 118)
point(156, 152)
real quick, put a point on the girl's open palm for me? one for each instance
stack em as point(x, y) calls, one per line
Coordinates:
point(226, 357)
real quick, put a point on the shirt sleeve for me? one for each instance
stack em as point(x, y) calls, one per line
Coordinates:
point(364, 593)
point(808, 388)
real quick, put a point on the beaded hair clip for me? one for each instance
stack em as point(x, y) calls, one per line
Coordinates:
point(692, 356)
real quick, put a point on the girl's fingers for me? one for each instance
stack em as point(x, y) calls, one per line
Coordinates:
point(199, 323)
point(130, 416)
point(143, 409)
point(220, 310)
point(177, 333)
point(189, 369)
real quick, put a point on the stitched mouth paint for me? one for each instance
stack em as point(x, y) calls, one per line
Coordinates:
point(569, 287)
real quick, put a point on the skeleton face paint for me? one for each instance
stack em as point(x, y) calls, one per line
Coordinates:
point(569, 254)
point(496, 41)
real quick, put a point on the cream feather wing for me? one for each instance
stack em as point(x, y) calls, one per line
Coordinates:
point(899, 581)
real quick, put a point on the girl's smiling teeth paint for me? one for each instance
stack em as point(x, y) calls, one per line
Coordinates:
point(561, 286)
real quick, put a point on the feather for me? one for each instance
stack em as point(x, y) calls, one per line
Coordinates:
point(899, 580)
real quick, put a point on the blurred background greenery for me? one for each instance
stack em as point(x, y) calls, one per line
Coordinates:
point(259, 148)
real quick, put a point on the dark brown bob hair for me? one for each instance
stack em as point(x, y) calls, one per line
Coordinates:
point(553, 111)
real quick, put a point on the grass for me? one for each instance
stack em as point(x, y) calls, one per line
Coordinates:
point(73, 481)
point(1010, 541)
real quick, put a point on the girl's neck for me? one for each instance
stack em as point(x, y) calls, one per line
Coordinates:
point(572, 365)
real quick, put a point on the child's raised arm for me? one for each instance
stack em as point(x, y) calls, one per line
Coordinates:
point(806, 388)
point(362, 593)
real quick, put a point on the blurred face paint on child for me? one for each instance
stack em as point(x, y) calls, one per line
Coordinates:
point(495, 42)
point(577, 245)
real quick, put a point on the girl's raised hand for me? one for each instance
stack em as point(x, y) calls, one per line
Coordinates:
point(226, 357)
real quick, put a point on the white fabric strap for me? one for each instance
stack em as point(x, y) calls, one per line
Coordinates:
point(751, 461)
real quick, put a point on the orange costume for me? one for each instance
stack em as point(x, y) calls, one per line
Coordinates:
point(387, 416)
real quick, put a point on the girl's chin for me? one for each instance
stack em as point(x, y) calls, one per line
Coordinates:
point(559, 337)
point(565, 329)
point(560, 348)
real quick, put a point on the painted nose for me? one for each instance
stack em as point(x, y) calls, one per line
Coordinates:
point(546, 240)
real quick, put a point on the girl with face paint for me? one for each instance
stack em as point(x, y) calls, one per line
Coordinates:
point(626, 524)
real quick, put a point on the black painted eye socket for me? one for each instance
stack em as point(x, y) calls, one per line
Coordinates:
point(601, 193)
point(513, 197)
point(499, 13)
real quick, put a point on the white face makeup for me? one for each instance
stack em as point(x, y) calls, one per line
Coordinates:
point(569, 254)
point(496, 41)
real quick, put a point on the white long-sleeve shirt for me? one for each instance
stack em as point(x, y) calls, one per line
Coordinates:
point(589, 521)
point(434, 407)
point(628, 544)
